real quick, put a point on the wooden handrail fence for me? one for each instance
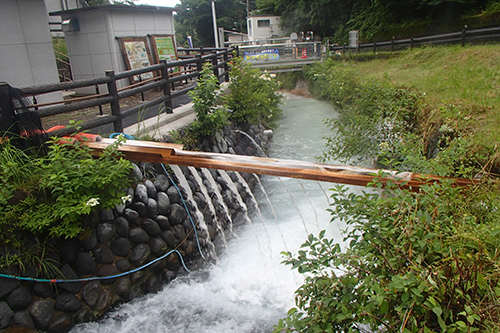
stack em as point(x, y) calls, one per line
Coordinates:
point(164, 79)
point(462, 37)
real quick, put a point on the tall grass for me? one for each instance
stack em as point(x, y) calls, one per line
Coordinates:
point(467, 78)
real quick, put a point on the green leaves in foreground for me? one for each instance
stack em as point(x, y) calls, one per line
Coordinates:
point(50, 195)
point(415, 262)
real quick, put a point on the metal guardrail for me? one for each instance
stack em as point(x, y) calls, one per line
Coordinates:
point(163, 78)
point(280, 52)
point(458, 37)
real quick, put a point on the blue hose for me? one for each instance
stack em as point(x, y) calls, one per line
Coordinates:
point(95, 277)
point(129, 137)
point(187, 210)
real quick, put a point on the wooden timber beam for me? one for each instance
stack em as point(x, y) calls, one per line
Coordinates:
point(173, 154)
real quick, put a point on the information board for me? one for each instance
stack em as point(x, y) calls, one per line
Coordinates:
point(164, 48)
point(137, 55)
point(268, 54)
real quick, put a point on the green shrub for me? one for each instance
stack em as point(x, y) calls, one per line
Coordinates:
point(210, 115)
point(48, 196)
point(254, 96)
point(415, 262)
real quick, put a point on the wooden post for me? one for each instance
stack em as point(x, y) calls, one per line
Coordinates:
point(464, 32)
point(411, 42)
point(226, 66)
point(392, 43)
point(97, 92)
point(6, 110)
point(166, 87)
point(202, 52)
point(199, 65)
point(215, 66)
point(374, 47)
point(115, 104)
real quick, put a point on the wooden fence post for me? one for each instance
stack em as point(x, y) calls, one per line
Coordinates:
point(6, 110)
point(374, 47)
point(215, 66)
point(464, 32)
point(115, 104)
point(411, 43)
point(166, 87)
point(226, 66)
point(199, 65)
point(392, 43)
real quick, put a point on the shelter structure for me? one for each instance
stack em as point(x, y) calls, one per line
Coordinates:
point(263, 27)
point(113, 37)
point(26, 52)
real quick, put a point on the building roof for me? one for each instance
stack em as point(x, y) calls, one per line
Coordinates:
point(115, 7)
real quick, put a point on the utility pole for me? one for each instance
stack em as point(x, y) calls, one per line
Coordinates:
point(214, 18)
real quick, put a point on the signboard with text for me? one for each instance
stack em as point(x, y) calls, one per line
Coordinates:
point(136, 54)
point(164, 49)
point(267, 54)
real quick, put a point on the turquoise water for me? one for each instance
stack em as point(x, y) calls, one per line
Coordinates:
point(248, 290)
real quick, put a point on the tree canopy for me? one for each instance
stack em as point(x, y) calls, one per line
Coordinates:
point(333, 18)
point(194, 18)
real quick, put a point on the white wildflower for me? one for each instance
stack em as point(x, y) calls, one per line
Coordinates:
point(127, 198)
point(92, 202)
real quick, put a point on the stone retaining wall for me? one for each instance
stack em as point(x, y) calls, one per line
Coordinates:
point(153, 223)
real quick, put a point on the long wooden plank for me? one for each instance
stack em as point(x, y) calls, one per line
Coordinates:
point(173, 154)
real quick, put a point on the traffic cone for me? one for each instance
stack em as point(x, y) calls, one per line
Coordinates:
point(304, 53)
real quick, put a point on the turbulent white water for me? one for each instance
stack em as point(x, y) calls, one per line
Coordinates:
point(248, 290)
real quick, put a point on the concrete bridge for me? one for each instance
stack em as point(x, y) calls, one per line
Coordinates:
point(283, 57)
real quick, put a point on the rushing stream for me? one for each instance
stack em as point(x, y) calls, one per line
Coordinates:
point(247, 290)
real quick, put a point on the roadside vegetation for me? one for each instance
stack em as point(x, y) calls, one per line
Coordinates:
point(51, 193)
point(49, 196)
point(251, 97)
point(424, 261)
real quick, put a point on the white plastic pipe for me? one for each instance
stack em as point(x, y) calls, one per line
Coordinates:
point(214, 18)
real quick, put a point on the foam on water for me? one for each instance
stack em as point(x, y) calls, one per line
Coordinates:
point(246, 291)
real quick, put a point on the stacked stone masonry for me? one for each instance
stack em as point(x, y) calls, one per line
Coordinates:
point(153, 223)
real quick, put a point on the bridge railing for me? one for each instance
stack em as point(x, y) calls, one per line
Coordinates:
point(462, 37)
point(161, 77)
point(281, 51)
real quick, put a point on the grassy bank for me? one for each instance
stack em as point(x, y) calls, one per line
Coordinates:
point(417, 262)
point(430, 110)
point(465, 77)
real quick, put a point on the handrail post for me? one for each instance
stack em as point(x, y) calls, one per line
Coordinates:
point(199, 65)
point(97, 93)
point(8, 123)
point(166, 86)
point(374, 47)
point(215, 67)
point(226, 66)
point(464, 32)
point(411, 43)
point(392, 43)
point(202, 52)
point(115, 104)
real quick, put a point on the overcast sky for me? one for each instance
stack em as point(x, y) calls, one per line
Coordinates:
point(164, 3)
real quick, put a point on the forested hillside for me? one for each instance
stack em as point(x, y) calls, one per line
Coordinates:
point(381, 19)
point(375, 19)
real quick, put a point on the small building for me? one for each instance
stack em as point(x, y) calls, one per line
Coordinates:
point(26, 53)
point(93, 36)
point(263, 27)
